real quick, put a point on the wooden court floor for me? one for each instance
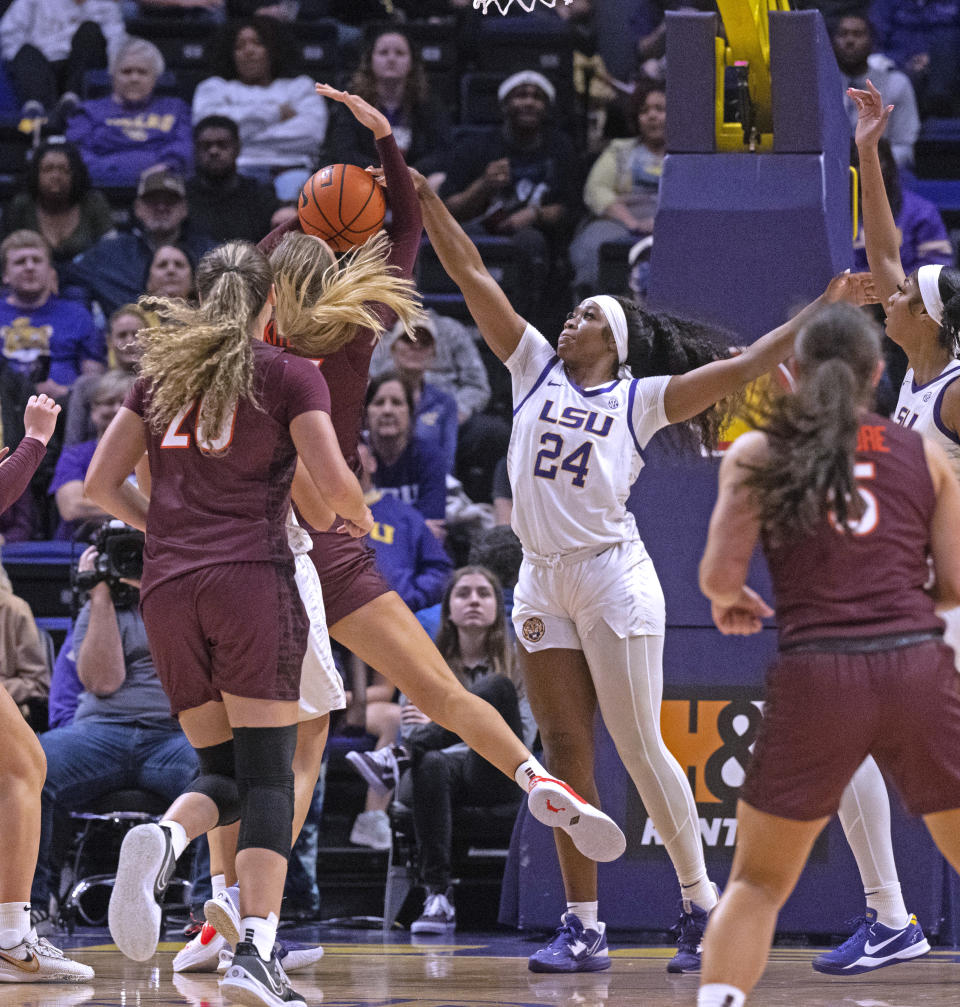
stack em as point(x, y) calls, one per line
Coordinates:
point(360, 970)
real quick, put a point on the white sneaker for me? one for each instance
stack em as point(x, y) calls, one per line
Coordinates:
point(36, 960)
point(380, 768)
point(202, 952)
point(293, 957)
point(372, 828)
point(145, 868)
point(221, 913)
point(438, 917)
point(595, 834)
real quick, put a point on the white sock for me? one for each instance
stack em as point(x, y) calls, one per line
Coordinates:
point(586, 912)
point(701, 892)
point(261, 933)
point(14, 923)
point(178, 836)
point(218, 882)
point(526, 771)
point(720, 995)
point(888, 903)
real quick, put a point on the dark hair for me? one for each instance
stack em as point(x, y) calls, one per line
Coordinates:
point(216, 122)
point(184, 251)
point(499, 654)
point(812, 435)
point(641, 91)
point(378, 382)
point(658, 343)
point(79, 176)
point(364, 83)
point(268, 31)
point(499, 549)
point(949, 287)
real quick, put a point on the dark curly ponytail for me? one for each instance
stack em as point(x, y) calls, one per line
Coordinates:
point(949, 287)
point(812, 435)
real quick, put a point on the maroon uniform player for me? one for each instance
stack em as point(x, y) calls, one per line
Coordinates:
point(848, 506)
point(223, 418)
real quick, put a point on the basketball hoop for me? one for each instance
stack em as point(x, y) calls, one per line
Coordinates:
point(504, 5)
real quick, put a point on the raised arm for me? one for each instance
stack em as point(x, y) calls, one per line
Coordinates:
point(500, 326)
point(688, 394)
point(39, 420)
point(879, 228)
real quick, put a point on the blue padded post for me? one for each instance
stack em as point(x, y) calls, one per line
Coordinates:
point(691, 84)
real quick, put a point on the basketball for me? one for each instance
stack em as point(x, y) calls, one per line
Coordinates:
point(342, 204)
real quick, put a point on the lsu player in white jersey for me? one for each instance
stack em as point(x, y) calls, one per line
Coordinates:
point(588, 608)
point(923, 318)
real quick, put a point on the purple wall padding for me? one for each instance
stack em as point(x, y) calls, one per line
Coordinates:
point(690, 82)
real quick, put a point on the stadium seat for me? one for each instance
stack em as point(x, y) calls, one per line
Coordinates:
point(937, 150)
point(316, 52)
point(187, 48)
point(944, 193)
point(478, 99)
point(614, 274)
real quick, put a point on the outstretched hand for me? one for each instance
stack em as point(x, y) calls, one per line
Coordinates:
point(872, 115)
point(854, 288)
point(744, 617)
point(362, 110)
point(421, 185)
point(40, 417)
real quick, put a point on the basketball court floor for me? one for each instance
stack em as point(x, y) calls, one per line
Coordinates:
point(360, 970)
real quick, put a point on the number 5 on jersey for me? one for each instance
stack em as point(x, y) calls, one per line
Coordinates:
point(576, 462)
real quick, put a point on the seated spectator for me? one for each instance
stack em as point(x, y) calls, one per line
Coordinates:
point(923, 39)
point(50, 341)
point(67, 484)
point(48, 45)
point(59, 203)
point(391, 78)
point(24, 671)
point(223, 203)
point(133, 129)
point(123, 353)
point(923, 237)
point(122, 735)
point(519, 182)
point(171, 273)
point(853, 45)
point(622, 189)
point(282, 120)
point(474, 641)
point(113, 270)
point(405, 468)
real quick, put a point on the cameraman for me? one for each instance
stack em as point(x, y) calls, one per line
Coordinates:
point(122, 735)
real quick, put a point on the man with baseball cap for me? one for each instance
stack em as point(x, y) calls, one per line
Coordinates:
point(114, 270)
point(519, 181)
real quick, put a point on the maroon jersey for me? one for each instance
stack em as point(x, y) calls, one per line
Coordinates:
point(867, 582)
point(227, 501)
point(18, 469)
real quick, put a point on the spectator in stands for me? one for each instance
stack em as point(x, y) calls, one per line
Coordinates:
point(123, 353)
point(405, 468)
point(474, 641)
point(24, 671)
point(923, 237)
point(113, 270)
point(190, 11)
point(48, 45)
point(622, 189)
point(122, 735)
point(49, 340)
point(853, 43)
point(391, 77)
point(223, 203)
point(133, 129)
point(59, 202)
point(923, 39)
point(282, 120)
point(67, 484)
point(171, 273)
point(520, 182)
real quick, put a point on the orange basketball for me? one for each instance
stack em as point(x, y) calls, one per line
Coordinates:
point(343, 205)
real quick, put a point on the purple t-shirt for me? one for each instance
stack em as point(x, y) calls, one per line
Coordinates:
point(229, 506)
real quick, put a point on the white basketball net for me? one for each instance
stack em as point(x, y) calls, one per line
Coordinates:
point(504, 5)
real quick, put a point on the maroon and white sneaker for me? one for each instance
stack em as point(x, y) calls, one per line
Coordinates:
point(202, 952)
point(595, 834)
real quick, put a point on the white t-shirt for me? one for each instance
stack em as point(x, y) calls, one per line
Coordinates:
point(575, 452)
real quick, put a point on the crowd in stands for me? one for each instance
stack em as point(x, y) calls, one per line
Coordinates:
point(134, 172)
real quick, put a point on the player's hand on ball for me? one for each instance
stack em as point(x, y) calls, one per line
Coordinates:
point(872, 114)
point(854, 288)
point(362, 110)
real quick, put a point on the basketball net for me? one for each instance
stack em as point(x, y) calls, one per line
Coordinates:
point(504, 5)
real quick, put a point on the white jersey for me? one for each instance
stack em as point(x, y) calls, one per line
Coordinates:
point(575, 452)
point(918, 408)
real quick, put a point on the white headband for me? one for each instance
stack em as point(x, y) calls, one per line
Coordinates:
point(928, 279)
point(616, 319)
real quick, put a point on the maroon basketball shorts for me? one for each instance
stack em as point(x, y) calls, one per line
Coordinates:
point(232, 627)
point(348, 573)
point(825, 712)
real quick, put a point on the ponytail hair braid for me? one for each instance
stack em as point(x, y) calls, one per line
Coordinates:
point(949, 287)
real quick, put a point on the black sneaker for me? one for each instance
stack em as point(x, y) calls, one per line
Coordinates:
point(381, 768)
point(251, 980)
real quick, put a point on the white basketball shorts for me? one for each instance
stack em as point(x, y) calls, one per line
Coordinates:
point(321, 688)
